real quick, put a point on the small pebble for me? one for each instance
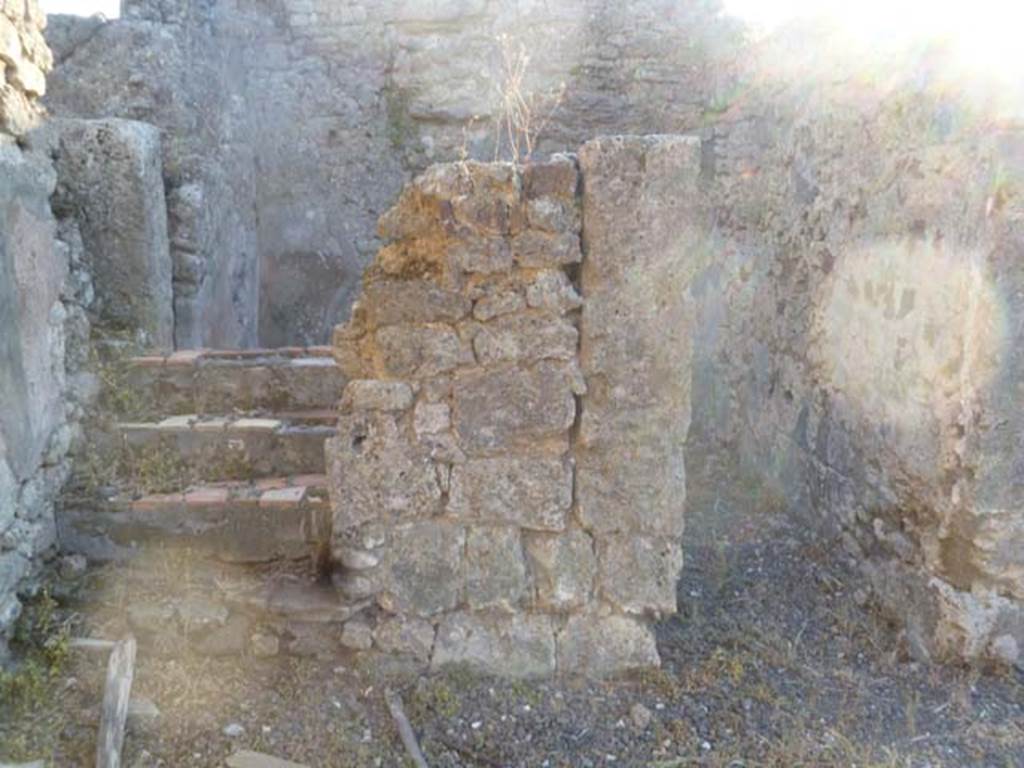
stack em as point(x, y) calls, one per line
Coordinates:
point(234, 730)
point(641, 716)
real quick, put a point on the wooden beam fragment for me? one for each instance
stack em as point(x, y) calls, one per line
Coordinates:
point(116, 694)
point(405, 731)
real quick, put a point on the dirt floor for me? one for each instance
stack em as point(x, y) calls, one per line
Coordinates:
point(777, 659)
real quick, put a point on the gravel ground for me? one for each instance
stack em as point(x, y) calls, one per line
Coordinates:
point(776, 659)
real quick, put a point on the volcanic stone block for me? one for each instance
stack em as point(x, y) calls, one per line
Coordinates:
point(502, 408)
point(641, 238)
point(432, 418)
point(539, 249)
point(532, 493)
point(519, 646)
point(563, 567)
point(527, 337)
point(498, 302)
point(407, 636)
point(424, 572)
point(639, 573)
point(393, 302)
point(598, 646)
point(495, 568)
point(110, 175)
point(32, 274)
point(372, 395)
point(421, 350)
point(650, 499)
point(556, 179)
point(374, 474)
point(484, 255)
point(551, 290)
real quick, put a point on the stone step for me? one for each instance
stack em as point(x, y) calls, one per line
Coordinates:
point(245, 381)
point(273, 519)
point(179, 606)
point(230, 448)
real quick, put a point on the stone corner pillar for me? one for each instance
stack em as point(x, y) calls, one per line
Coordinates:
point(110, 178)
point(642, 239)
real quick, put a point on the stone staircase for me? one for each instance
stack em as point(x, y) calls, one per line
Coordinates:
point(219, 476)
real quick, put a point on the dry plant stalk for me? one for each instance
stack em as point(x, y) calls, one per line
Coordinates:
point(523, 116)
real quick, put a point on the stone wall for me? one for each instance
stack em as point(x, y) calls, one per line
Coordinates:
point(291, 126)
point(185, 79)
point(44, 328)
point(486, 499)
point(857, 348)
point(109, 181)
point(24, 61)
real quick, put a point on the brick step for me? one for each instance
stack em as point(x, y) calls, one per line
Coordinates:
point(229, 448)
point(245, 381)
point(272, 519)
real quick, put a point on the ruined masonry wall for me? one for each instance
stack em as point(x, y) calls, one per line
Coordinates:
point(859, 349)
point(44, 328)
point(469, 479)
point(24, 61)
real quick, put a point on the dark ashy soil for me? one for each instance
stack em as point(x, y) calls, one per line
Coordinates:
point(776, 659)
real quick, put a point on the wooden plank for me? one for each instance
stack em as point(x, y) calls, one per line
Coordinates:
point(116, 694)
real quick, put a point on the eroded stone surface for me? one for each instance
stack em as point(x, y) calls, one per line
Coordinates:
point(520, 646)
point(495, 574)
point(600, 645)
point(509, 407)
point(531, 493)
point(424, 571)
point(638, 573)
point(563, 568)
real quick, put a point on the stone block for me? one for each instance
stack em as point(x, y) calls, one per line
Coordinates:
point(508, 407)
point(416, 351)
point(395, 302)
point(405, 636)
point(551, 290)
point(372, 395)
point(531, 493)
point(432, 418)
point(557, 178)
point(480, 255)
point(639, 574)
point(526, 337)
point(374, 475)
point(549, 215)
point(32, 275)
point(643, 238)
point(497, 303)
point(520, 646)
point(542, 250)
point(424, 569)
point(357, 635)
point(563, 568)
point(637, 483)
point(495, 570)
point(110, 173)
point(595, 646)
